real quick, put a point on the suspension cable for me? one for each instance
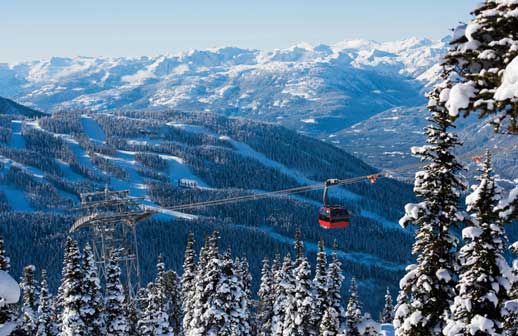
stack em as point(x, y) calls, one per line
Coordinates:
point(316, 186)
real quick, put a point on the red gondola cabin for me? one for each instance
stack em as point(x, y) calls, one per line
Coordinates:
point(333, 217)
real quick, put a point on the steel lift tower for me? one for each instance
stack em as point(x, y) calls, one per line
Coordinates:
point(110, 219)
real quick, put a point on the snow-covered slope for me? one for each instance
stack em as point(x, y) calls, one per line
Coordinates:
point(334, 86)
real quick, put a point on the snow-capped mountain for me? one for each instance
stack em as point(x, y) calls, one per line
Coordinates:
point(318, 89)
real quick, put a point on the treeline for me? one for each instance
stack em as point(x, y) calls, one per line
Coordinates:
point(212, 296)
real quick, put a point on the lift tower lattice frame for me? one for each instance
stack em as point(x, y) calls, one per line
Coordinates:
point(112, 218)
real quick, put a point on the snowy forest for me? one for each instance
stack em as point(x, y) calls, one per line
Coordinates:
point(464, 280)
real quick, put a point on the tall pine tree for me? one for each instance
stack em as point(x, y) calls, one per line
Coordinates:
point(484, 278)
point(205, 317)
point(510, 310)
point(427, 290)
point(387, 315)
point(173, 292)
point(245, 324)
point(117, 323)
point(329, 326)
point(299, 247)
point(45, 325)
point(320, 300)
point(354, 313)
point(92, 310)
point(72, 323)
point(298, 314)
point(335, 280)
point(158, 300)
point(188, 285)
point(284, 289)
point(264, 312)
point(29, 318)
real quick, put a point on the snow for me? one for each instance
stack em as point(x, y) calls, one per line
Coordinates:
point(509, 203)
point(415, 318)
point(16, 199)
point(192, 128)
point(92, 129)
point(17, 141)
point(443, 274)
point(509, 87)
point(459, 97)
point(459, 32)
point(223, 78)
point(249, 152)
point(7, 329)
point(386, 329)
point(481, 324)
point(309, 121)
point(471, 232)
point(412, 211)
point(9, 289)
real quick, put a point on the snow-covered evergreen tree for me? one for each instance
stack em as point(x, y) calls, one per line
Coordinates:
point(484, 278)
point(320, 295)
point(9, 295)
point(354, 313)
point(367, 326)
point(329, 325)
point(276, 272)
point(335, 280)
point(243, 297)
point(264, 312)
point(117, 323)
point(510, 311)
point(304, 301)
point(173, 292)
point(299, 247)
point(206, 317)
point(29, 318)
point(92, 310)
point(5, 264)
point(72, 285)
point(481, 51)
point(145, 324)
point(131, 312)
point(158, 302)
point(230, 300)
point(427, 290)
point(44, 326)
point(284, 289)
point(387, 315)
point(188, 286)
point(7, 309)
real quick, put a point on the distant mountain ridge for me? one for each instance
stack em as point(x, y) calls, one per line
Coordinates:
point(316, 89)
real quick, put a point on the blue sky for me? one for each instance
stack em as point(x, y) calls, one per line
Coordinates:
point(32, 29)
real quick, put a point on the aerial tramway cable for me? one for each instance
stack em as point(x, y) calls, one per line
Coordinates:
point(474, 155)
